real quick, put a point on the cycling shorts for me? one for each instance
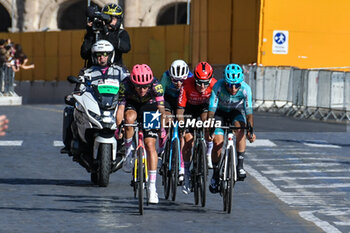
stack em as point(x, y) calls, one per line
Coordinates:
point(140, 108)
point(228, 118)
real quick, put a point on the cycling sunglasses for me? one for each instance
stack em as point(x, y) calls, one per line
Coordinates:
point(176, 81)
point(142, 86)
point(237, 85)
point(99, 54)
point(200, 82)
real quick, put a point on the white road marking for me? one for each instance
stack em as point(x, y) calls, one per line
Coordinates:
point(261, 142)
point(10, 143)
point(308, 215)
point(321, 145)
point(297, 198)
point(292, 159)
point(58, 143)
point(311, 178)
point(316, 186)
point(302, 164)
point(342, 223)
point(304, 171)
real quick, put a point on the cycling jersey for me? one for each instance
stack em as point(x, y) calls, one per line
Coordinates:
point(221, 99)
point(189, 93)
point(169, 87)
point(154, 94)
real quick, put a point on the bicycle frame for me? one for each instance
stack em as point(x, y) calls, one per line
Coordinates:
point(140, 176)
point(229, 142)
point(139, 140)
point(175, 136)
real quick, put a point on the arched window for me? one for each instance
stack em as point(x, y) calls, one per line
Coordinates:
point(175, 13)
point(5, 19)
point(72, 16)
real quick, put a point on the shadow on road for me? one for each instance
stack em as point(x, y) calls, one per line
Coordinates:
point(28, 181)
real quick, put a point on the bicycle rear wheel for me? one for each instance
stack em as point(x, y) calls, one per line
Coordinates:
point(140, 179)
point(174, 169)
point(230, 179)
point(202, 172)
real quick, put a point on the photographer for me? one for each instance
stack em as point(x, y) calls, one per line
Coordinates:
point(106, 25)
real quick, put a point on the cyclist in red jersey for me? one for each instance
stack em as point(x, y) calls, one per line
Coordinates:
point(194, 101)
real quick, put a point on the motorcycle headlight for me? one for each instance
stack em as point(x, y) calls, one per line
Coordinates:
point(107, 119)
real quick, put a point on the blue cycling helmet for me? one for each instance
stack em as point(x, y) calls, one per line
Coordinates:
point(233, 74)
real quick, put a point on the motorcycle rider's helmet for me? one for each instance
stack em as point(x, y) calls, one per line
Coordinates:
point(104, 47)
point(114, 10)
point(203, 73)
point(233, 74)
point(179, 71)
point(141, 75)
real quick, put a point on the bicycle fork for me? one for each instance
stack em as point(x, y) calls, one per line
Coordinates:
point(230, 143)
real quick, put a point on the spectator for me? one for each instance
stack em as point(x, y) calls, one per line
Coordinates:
point(20, 59)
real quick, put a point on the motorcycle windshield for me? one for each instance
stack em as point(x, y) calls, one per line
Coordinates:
point(106, 93)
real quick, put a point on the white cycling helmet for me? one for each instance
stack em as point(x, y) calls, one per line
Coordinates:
point(102, 46)
point(179, 70)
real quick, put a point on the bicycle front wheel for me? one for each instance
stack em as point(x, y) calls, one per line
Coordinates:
point(230, 178)
point(165, 171)
point(202, 172)
point(174, 169)
point(140, 179)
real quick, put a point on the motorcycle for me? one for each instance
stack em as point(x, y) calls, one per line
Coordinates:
point(93, 144)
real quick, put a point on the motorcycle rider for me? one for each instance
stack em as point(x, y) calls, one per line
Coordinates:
point(141, 93)
point(117, 36)
point(103, 55)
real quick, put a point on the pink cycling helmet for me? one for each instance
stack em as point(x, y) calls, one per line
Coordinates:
point(141, 74)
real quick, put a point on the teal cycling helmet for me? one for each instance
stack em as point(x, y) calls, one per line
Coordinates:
point(233, 74)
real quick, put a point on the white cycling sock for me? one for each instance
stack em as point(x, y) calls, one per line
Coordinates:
point(209, 147)
point(152, 180)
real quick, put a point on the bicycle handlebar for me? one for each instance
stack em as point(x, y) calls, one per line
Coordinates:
point(249, 128)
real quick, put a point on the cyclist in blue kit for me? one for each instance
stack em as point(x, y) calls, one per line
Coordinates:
point(230, 101)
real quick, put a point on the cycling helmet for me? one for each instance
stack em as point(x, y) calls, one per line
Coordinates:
point(179, 70)
point(141, 74)
point(102, 46)
point(115, 11)
point(203, 71)
point(233, 74)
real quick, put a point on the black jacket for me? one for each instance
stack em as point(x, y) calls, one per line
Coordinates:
point(119, 39)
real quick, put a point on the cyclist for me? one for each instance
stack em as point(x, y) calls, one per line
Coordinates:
point(138, 94)
point(102, 56)
point(231, 100)
point(172, 81)
point(194, 100)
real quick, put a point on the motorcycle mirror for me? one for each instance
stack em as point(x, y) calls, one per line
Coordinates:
point(73, 79)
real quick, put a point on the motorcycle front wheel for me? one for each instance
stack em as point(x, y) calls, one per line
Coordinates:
point(105, 158)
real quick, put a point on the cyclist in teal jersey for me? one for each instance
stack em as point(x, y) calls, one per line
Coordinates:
point(230, 101)
point(171, 81)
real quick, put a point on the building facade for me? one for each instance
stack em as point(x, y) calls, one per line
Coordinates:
point(52, 15)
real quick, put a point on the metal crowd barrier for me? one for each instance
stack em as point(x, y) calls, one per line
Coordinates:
point(7, 78)
point(302, 93)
